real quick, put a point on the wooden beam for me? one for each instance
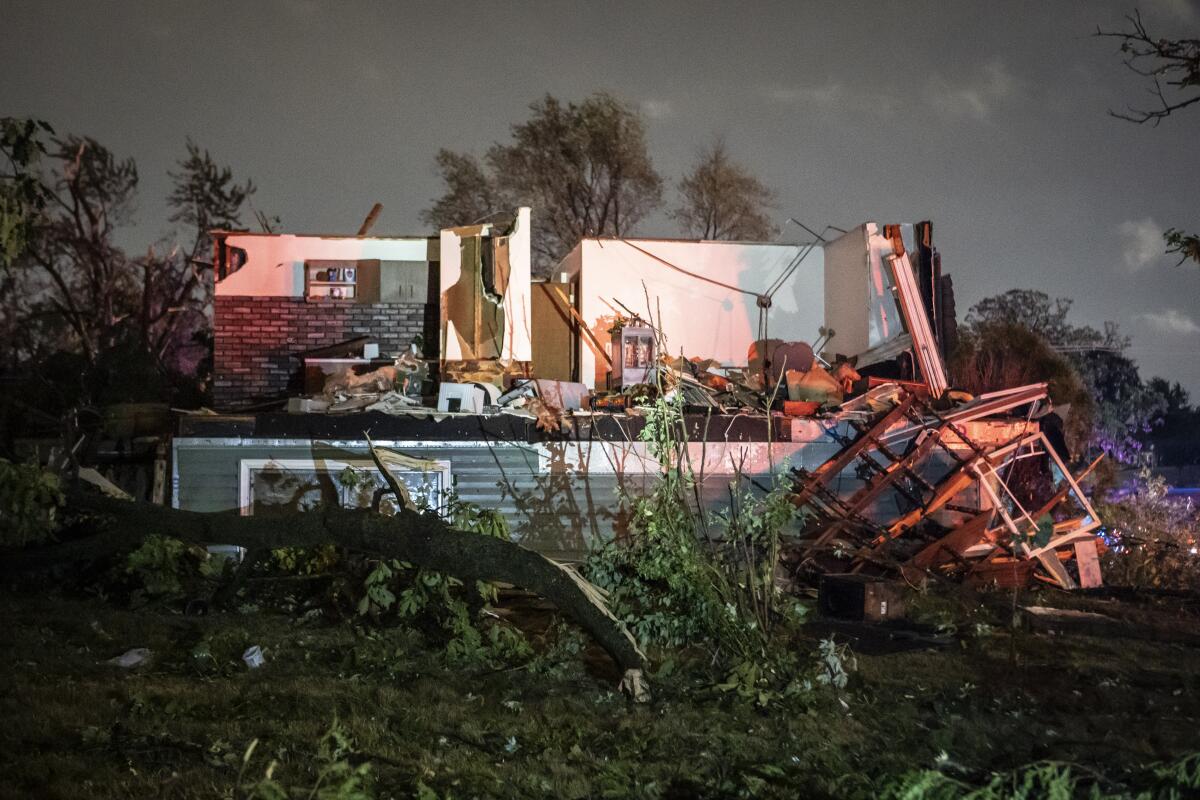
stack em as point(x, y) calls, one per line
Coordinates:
point(849, 453)
point(369, 222)
point(955, 542)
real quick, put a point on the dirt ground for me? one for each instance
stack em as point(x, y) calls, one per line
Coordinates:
point(969, 695)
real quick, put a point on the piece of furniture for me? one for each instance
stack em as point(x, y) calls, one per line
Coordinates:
point(350, 281)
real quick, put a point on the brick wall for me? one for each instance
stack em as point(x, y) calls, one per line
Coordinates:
point(258, 340)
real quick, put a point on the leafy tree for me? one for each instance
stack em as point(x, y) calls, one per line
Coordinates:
point(21, 195)
point(1187, 245)
point(204, 197)
point(584, 167)
point(1177, 440)
point(1156, 536)
point(73, 293)
point(1173, 68)
point(471, 193)
point(1018, 328)
point(996, 353)
point(75, 269)
point(721, 199)
point(1044, 316)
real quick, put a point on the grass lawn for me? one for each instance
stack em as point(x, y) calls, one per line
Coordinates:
point(179, 725)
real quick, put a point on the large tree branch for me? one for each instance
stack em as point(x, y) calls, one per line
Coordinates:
point(422, 539)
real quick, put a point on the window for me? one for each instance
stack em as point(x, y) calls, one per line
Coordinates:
point(273, 485)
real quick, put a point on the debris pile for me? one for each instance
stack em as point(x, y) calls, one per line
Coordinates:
point(966, 490)
point(905, 476)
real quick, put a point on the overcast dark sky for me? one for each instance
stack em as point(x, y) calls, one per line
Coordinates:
point(988, 118)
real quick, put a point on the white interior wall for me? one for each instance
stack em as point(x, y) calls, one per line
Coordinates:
point(699, 319)
point(847, 296)
point(275, 263)
point(860, 302)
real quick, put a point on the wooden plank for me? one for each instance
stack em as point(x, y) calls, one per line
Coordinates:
point(955, 542)
point(849, 453)
point(158, 494)
point(924, 342)
point(1049, 561)
point(1083, 501)
point(1065, 539)
point(948, 489)
point(881, 481)
point(553, 332)
point(1090, 623)
point(1088, 562)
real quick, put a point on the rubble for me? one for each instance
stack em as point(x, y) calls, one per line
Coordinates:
point(253, 657)
point(131, 658)
point(955, 511)
point(905, 475)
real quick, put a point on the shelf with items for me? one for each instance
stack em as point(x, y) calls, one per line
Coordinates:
point(334, 281)
point(331, 293)
point(342, 280)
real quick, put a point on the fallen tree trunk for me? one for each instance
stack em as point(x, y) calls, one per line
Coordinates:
point(423, 539)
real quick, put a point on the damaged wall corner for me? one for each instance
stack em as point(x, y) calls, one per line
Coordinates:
point(485, 292)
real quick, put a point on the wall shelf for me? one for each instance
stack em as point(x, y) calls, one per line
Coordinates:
point(344, 281)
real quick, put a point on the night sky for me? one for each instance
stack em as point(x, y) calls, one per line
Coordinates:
point(988, 118)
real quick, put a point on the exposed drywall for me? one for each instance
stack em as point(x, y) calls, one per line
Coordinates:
point(860, 301)
point(275, 263)
point(846, 299)
point(698, 317)
point(515, 307)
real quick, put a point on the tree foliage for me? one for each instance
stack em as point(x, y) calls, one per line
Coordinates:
point(1177, 440)
point(995, 354)
point(1024, 336)
point(471, 194)
point(29, 502)
point(1046, 317)
point(21, 194)
point(1186, 245)
point(73, 290)
point(1154, 537)
point(584, 167)
point(205, 195)
point(721, 199)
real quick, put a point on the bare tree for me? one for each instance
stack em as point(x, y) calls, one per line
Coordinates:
point(1173, 67)
point(583, 167)
point(720, 199)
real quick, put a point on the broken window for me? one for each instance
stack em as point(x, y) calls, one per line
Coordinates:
point(229, 259)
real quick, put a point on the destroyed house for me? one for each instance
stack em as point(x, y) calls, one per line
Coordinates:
point(822, 361)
